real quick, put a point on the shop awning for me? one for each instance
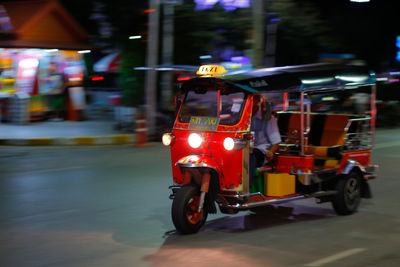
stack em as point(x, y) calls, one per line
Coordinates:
point(46, 45)
point(40, 24)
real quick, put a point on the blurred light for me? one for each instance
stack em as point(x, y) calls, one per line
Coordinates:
point(135, 37)
point(205, 57)
point(149, 10)
point(394, 73)
point(229, 5)
point(316, 81)
point(164, 69)
point(336, 56)
point(381, 79)
point(50, 50)
point(84, 51)
point(240, 59)
point(98, 78)
point(29, 63)
point(231, 65)
point(274, 20)
point(183, 78)
point(229, 144)
point(329, 98)
point(350, 78)
point(394, 80)
point(195, 140)
point(359, 1)
point(143, 68)
point(75, 79)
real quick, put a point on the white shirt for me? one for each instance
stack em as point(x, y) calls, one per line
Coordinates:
point(266, 133)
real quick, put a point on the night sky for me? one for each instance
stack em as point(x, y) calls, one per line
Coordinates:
point(367, 30)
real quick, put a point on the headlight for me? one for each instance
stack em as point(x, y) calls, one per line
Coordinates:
point(168, 139)
point(229, 143)
point(195, 140)
point(235, 143)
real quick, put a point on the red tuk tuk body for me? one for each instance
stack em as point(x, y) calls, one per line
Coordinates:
point(323, 154)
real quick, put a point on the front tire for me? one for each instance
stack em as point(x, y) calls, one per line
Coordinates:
point(184, 210)
point(348, 198)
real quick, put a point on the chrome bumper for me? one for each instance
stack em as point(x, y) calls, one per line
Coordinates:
point(370, 172)
point(248, 205)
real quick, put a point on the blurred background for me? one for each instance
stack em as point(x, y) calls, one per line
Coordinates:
point(82, 70)
point(108, 61)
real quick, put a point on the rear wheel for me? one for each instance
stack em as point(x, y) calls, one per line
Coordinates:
point(184, 210)
point(347, 200)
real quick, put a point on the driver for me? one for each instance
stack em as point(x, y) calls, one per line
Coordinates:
point(266, 134)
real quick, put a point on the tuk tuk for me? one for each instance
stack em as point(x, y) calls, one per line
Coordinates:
point(326, 119)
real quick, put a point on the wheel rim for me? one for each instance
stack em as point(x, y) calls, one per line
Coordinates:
point(352, 192)
point(191, 214)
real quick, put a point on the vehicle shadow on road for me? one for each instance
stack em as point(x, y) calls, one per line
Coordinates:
point(267, 217)
point(227, 237)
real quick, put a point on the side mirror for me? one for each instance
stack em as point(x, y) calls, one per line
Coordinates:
point(178, 100)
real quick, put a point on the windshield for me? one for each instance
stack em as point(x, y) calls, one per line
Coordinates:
point(204, 103)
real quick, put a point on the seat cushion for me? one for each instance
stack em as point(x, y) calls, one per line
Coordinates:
point(325, 151)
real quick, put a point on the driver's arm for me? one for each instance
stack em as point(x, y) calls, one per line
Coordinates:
point(274, 137)
point(269, 155)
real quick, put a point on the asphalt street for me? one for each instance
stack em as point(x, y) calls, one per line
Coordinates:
point(109, 206)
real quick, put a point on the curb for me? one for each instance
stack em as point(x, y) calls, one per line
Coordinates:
point(82, 140)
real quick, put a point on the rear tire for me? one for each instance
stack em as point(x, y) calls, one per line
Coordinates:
point(184, 210)
point(348, 198)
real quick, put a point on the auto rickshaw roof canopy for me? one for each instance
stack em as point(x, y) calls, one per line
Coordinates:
point(311, 77)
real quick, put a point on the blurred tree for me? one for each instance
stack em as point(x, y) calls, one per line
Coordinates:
point(307, 27)
point(109, 25)
point(127, 18)
point(302, 34)
point(109, 22)
point(130, 81)
point(200, 32)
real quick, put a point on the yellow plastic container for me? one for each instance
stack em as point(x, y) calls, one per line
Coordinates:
point(279, 184)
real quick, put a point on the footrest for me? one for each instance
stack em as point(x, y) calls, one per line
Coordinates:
point(264, 169)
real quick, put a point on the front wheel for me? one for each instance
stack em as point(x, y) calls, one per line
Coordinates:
point(348, 196)
point(184, 210)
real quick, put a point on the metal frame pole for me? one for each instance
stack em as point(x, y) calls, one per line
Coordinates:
point(152, 60)
point(258, 33)
point(167, 54)
point(302, 122)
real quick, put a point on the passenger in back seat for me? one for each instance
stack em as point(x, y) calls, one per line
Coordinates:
point(266, 134)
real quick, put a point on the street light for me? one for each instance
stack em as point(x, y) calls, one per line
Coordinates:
point(84, 51)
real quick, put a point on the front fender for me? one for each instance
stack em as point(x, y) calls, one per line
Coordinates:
point(350, 165)
point(199, 161)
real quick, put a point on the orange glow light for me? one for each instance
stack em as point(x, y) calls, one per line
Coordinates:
point(183, 78)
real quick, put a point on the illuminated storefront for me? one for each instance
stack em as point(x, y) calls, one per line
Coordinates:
point(41, 59)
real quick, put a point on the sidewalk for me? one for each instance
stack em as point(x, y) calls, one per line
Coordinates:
point(64, 133)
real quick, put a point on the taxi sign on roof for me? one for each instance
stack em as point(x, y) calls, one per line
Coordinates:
point(211, 70)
